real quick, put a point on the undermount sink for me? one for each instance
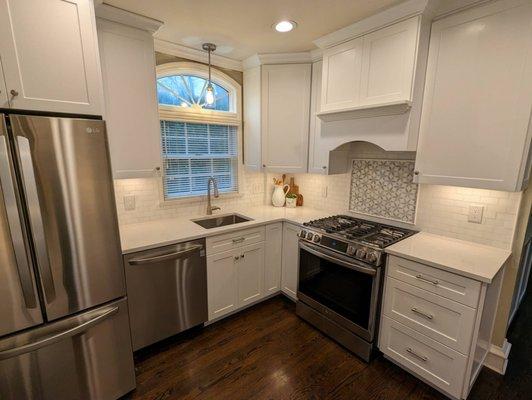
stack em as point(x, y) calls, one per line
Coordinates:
point(221, 220)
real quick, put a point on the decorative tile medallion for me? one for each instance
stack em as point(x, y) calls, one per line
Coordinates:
point(384, 188)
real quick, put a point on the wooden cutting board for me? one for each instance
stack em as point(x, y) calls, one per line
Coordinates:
point(294, 189)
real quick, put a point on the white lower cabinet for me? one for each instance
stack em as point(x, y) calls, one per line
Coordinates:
point(273, 258)
point(250, 273)
point(222, 283)
point(436, 324)
point(290, 260)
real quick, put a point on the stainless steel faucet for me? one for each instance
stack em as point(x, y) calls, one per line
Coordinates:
point(210, 207)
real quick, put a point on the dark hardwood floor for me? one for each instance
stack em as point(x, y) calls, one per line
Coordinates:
point(267, 352)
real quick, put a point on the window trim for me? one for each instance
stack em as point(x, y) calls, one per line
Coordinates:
point(174, 113)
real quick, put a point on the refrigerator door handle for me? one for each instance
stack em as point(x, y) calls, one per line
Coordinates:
point(19, 247)
point(47, 340)
point(36, 222)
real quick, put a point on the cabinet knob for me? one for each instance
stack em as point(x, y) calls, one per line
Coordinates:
point(237, 258)
point(324, 167)
point(416, 172)
point(13, 92)
point(242, 256)
point(263, 165)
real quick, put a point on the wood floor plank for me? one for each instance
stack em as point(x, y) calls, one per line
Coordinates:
point(267, 352)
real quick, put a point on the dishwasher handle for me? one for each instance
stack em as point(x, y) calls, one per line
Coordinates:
point(165, 257)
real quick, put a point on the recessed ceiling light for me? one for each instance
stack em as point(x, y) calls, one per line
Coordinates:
point(284, 26)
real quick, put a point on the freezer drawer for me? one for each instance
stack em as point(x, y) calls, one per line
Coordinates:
point(167, 291)
point(84, 357)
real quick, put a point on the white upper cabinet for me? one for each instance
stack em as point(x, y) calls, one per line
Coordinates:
point(252, 114)
point(128, 67)
point(318, 155)
point(475, 126)
point(388, 63)
point(49, 52)
point(341, 76)
point(371, 75)
point(276, 117)
point(285, 117)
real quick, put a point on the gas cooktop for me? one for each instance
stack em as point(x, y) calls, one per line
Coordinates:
point(357, 238)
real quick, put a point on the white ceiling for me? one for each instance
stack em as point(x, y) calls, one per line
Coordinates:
point(241, 28)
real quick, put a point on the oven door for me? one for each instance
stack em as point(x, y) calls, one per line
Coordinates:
point(344, 290)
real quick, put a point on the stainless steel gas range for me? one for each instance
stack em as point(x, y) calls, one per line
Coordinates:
point(340, 268)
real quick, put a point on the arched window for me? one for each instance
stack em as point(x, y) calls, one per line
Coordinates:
point(198, 140)
point(189, 91)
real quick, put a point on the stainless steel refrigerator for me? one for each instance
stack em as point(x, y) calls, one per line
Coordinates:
point(64, 327)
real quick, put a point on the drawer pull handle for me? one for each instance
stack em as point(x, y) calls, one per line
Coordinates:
point(422, 358)
point(421, 277)
point(239, 240)
point(422, 313)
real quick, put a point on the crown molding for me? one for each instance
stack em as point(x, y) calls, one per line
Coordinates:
point(178, 50)
point(282, 58)
point(115, 14)
point(377, 21)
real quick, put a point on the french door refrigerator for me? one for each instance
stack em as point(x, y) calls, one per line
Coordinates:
point(64, 327)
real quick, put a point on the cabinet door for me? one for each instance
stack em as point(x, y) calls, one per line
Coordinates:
point(252, 119)
point(285, 117)
point(290, 260)
point(318, 155)
point(341, 76)
point(388, 63)
point(4, 102)
point(49, 52)
point(250, 273)
point(273, 258)
point(222, 283)
point(478, 97)
point(128, 69)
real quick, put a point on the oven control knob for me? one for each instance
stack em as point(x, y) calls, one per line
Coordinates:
point(350, 250)
point(309, 236)
point(316, 239)
point(360, 253)
point(372, 257)
point(303, 234)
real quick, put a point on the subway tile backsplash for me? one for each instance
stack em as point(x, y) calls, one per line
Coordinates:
point(441, 209)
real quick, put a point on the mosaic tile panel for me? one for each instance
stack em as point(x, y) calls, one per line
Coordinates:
point(384, 188)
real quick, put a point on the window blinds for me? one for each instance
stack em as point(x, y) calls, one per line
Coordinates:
point(194, 152)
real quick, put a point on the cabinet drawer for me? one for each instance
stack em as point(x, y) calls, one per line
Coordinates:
point(430, 360)
point(446, 284)
point(441, 319)
point(232, 240)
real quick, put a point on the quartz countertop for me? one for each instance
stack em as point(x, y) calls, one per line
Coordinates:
point(464, 258)
point(152, 234)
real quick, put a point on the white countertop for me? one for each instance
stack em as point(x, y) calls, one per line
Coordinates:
point(468, 259)
point(152, 234)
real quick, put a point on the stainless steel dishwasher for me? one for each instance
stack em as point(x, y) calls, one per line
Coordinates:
point(167, 291)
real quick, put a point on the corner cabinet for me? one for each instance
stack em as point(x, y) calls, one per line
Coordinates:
point(128, 66)
point(476, 120)
point(49, 53)
point(276, 117)
point(290, 260)
point(375, 71)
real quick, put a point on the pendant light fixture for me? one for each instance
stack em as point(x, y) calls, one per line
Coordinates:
point(209, 93)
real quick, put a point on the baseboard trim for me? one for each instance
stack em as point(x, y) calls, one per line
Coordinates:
point(497, 358)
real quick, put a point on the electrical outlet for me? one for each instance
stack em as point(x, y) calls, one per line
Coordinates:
point(475, 214)
point(129, 202)
point(324, 189)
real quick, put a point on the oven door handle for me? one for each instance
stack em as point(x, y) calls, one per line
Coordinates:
point(355, 267)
